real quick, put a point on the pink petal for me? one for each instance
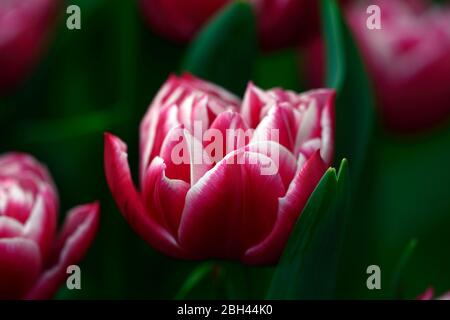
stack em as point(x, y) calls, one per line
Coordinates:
point(234, 133)
point(41, 224)
point(427, 295)
point(10, 227)
point(184, 156)
point(281, 157)
point(74, 240)
point(164, 197)
point(20, 264)
point(154, 127)
point(278, 126)
point(290, 206)
point(211, 89)
point(231, 208)
point(129, 201)
point(254, 101)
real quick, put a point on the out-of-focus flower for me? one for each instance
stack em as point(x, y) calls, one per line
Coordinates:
point(281, 23)
point(24, 26)
point(408, 59)
point(223, 201)
point(33, 261)
point(429, 295)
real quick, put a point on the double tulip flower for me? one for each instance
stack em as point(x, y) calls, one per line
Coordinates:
point(33, 257)
point(408, 60)
point(226, 206)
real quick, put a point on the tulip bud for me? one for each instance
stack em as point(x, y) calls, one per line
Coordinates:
point(221, 178)
point(33, 258)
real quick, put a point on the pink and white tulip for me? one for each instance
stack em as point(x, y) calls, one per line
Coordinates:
point(33, 258)
point(222, 208)
point(408, 60)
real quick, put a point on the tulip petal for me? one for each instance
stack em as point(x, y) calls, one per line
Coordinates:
point(290, 207)
point(129, 201)
point(254, 101)
point(41, 224)
point(284, 160)
point(10, 227)
point(164, 197)
point(227, 98)
point(20, 264)
point(75, 238)
point(231, 208)
point(278, 126)
point(233, 131)
point(154, 128)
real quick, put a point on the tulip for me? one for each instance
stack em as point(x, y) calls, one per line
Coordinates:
point(24, 26)
point(281, 23)
point(224, 206)
point(33, 259)
point(429, 295)
point(408, 60)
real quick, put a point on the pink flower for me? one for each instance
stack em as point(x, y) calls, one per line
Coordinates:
point(281, 23)
point(408, 59)
point(33, 261)
point(429, 295)
point(24, 25)
point(224, 206)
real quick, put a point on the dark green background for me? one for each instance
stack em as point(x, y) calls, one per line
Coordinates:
point(102, 78)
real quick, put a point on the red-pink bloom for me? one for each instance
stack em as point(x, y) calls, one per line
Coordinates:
point(33, 259)
point(24, 26)
point(281, 23)
point(223, 208)
point(429, 295)
point(408, 59)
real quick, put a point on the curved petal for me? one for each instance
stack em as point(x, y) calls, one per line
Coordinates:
point(285, 162)
point(10, 227)
point(254, 101)
point(290, 207)
point(75, 238)
point(164, 197)
point(231, 208)
point(20, 265)
point(211, 89)
point(154, 128)
point(278, 125)
point(129, 201)
point(41, 224)
point(233, 132)
point(184, 156)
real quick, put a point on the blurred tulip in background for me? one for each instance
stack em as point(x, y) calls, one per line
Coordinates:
point(408, 60)
point(33, 259)
point(281, 23)
point(24, 28)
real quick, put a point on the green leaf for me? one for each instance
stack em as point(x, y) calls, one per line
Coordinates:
point(194, 279)
point(355, 101)
point(225, 49)
point(405, 258)
point(308, 266)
